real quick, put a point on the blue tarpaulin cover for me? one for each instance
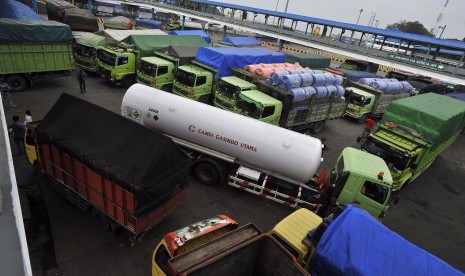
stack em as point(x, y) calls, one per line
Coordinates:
point(223, 59)
point(457, 95)
point(192, 32)
point(357, 244)
point(16, 10)
point(242, 41)
point(148, 24)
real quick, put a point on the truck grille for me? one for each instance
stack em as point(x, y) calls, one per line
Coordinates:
point(223, 104)
point(104, 72)
point(180, 92)
point(85, 63)
point(143, 81)
point(350, 110)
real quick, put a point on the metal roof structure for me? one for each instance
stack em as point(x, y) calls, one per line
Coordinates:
point(452, 44)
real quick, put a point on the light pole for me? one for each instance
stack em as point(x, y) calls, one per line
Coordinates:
point(276, 9)
point(361, 10)
point(376, 23)
point(443, 28)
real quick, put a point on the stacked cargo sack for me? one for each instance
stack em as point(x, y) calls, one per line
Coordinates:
point(388, 86)
point(265, 70)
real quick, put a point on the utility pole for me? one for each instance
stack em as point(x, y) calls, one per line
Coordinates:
point(443, 28)
point(281, 42)
point(361, 10)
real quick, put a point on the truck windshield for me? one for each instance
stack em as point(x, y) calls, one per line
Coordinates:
point(106, 57)
point(393, 157)
point(185, 78)
point(357, 99)
point(148, 68)
point(227, 89)
point(249, 109)
point(85, 51)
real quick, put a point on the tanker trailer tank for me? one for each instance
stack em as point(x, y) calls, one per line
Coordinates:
point(224, 135)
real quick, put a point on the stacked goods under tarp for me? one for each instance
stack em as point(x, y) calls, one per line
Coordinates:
point(351, 75)
point(205, 36)
point(119, 23)
point(120, 35)
point(55, 9)
point(355, 243)
point(148, 24)
point(388, 86)
point(80, 20)
point(266, 69)
point(435, 117)
point(223, 59)
point(308, 60)
point(147, 44)
point(99, 153)
point(242, 41)
point(184, 53)
point(92, 40)
point(16, 10)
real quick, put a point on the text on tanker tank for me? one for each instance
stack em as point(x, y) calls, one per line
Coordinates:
point(222, 138)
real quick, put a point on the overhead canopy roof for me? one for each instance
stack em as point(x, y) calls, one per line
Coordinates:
point(120, 35)
point(458, 45)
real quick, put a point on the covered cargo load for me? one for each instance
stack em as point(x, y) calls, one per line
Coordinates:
point(144, 162)
point(80, 20)
point(148, 24)
point(308, 60)
point(92, 40)
point(147, 44)
point(33, 31)
point(16, 10)
point(223, 59)
point(184, 53)
point(242, 41)
point(205, 36)
point(118, 22)
point(355, 243)
point(435, 117)
point(55, 9)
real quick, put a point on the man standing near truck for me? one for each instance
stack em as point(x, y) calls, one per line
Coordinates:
point(17, 129)
point(82, 77)
point(369, 123)
point(5, 90)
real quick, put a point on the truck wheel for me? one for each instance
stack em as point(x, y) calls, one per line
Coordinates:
point(362, 119)
point(204, 99)
point(167, 87)
point(127, 82)
point(18, 83)
point(317, 128)
point(206, 173)
point(100, 219)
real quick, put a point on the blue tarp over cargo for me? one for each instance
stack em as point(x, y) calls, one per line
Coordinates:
point(241, 41)
point(192, 32)
point(357, 244)
point(16, 10)
point(148, 24)
point(223, 59)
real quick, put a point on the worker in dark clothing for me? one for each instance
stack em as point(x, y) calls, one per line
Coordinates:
point(369, 123)
point(82, 77)
point(17, 130)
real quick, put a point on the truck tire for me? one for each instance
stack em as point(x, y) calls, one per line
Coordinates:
point(127, 81)
point(100, 219)
point(317, 128)
point(362, 119)
point(207, 173)
point(18, 83)
point(167, 88)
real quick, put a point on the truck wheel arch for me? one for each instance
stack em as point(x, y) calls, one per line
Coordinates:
point(208, 171)
point(100, 219)
point(18, 82)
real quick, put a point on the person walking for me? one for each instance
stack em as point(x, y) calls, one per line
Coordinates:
point(17, 129)
point(369, 123)
point(82, 77)
point(6, 98)
point(28, 117)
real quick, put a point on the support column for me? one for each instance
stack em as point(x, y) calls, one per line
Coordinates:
point(224, 31)
point(89, 5)
point(281, 44)
point(182, 22)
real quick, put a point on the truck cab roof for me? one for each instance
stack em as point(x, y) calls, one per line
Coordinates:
point(261, 97)
point(194, 69)
point(156, 60)
point(244, 85)
point(361, 162)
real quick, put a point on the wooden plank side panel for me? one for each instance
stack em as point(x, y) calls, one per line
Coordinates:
point(57, 162)
point(45, 157)
point(94, 188)
point(69, 179)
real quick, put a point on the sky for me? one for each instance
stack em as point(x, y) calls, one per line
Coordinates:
point(385, 11)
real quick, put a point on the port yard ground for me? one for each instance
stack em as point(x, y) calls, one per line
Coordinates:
point(429, 214)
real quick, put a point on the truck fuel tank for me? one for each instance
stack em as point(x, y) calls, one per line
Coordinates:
point(260, 145)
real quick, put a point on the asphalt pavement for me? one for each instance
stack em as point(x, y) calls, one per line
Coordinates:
point(430, 212)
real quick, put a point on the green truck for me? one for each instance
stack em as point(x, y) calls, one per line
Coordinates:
point(31, 50)
point(413, 132)
point(119, 63)
point(85, 51)
point(158, 71)
point(276, 106)
point(367, 101)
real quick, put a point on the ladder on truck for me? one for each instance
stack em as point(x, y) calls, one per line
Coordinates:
point(249, 180)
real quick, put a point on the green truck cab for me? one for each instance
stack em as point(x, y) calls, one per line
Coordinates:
point(228, 90)
point(367, 101)
point(260, 106)
point(118, 64)
point(158, 71)
point(195, 81)
point(85, 52)
point(413, 132)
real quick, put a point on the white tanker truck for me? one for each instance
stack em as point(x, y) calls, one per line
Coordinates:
point(260, 158)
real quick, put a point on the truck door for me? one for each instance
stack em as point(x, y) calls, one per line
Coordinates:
point(124, 65)
point(163, 76)
point(372, 197)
